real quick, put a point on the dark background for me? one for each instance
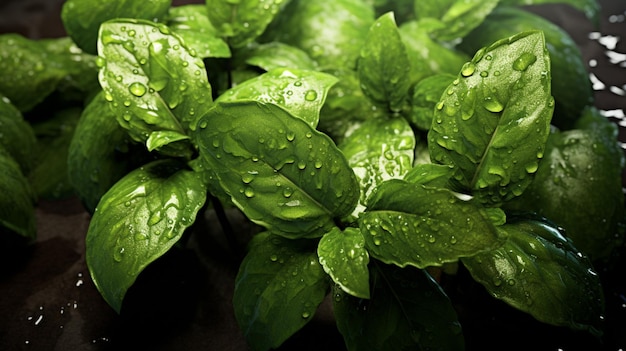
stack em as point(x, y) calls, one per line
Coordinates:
point(183, 302)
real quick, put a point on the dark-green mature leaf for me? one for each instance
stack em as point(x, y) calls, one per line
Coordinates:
point(345, 259)
point(277, 169)
point(82, 18)
point(152, 80)
point(425, 96)
point(408, 311)
point(410, 224)
point(17, 211)
point(301, 92)
point(591, 8)
point(17, 137)
point(278, 287)
point(493, 121)
point(139, 219)
point(383, 65)
point(540, 272)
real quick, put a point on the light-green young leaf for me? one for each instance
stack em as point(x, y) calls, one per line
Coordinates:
point(138, 220)
point(277, 169)
point(276, 55)
point(191, 22)
point(493, 121)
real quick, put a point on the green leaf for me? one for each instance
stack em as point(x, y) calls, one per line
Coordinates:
point(100, 153)
point(384, 64)
point(591, 8)
point(410, 224)
point(17, 211)
point(17, 137)
point(426, 94)
point(408, 311)
point(493, 121)
point(426, 56)
point(276, 55)
point(344, 258)
point(82, 18)
point(379, 149)
point(153, 81)
point(278, 170)
point(241, 22)
point(461, 17)
point(301, 92)
point(579, 185)
point(161, 138)
point(540, 272)
point(191, 22)
point(50, 177)
point(570, 82)
point(431, 9)
point(430, 174)
point(27, 75)
point(277, 290)
point(331, 32)
point(139, 219)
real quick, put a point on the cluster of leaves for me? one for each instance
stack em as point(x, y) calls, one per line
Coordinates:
point(375, 143)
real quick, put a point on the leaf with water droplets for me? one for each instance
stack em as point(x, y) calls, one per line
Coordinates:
point(384, 64)
point(540, 272)
point(301, 92)
point(278, 288)
point(269, 56)
point(425, 96)
point(493, 127)
point(138, 220)
point(17, 137)
point(17, 203)
point(459, 17)
point(411, 224)
point(192, 23)
point(81, 19)
point(408, 311)
point(344, 258)
point(153, 81)
point(300, 180)
point(431, 175)
point(379, 149)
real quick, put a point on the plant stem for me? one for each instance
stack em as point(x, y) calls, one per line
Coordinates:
point(227, 228)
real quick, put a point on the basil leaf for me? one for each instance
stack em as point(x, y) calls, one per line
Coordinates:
point(278, 170)
point(27, 75)
point(591, 8)
point(426, 56)
point(100, 153)
point(331, 32)
point(276, 55)
point(82, 19)
point(161, 138)
point(241, 22)
point(191, 22)
point(493, 121)
point(540, 272)
point(50, 177)
point(139, 219)
point(579, 185)
point(17, 211)
point(302, 93)
point(17, 137)
point(277, 289)
point(384, 64)
point(425, 96)
point(570, 82)
point(431, 9)
point(409, 312)
point(461, 17)
point(410, 224)
point(153, 81)
point(344, 257)
point(430, 174)
point(380, 149)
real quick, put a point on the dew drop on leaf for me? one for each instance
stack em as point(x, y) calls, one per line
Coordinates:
point(524, 61)
point(310, 95)
point(468, 69)
point(491, 104)
point(137, 89)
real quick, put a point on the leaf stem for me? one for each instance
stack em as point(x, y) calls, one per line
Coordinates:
point(227, 228)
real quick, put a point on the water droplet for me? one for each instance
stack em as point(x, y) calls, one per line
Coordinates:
point(468, 69)
point(137, 89)
point(273, 258)
point(247, 178)
point(291, 136)
point(306, 315)
point(249, 192)
point(532, 167)
point(287, 192)
point(310, 95)
point(492, 104)
point(524, 61)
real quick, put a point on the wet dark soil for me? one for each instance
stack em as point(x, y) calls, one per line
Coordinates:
point(183, 301)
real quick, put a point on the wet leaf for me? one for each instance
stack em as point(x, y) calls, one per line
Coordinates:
point(278, 288)
point(426, 94)
point(191, 22)
point(344, 258)
point(410, 224)
point(17, 137)
point(139, 219)
point(431, 175)
point(379, 149)
point(153, 81)
point(383, 65)
point(17, 203)
point(277, 169)
point(277, 55)
point(493, 121)
point(408, 311)
point(591, 8)
point(301, 92)
point(458, 18)
point(540, 272)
